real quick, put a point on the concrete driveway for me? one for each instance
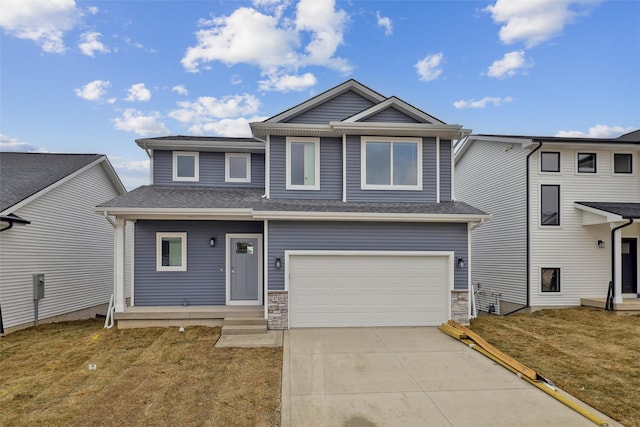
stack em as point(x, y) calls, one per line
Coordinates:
point(365, 377)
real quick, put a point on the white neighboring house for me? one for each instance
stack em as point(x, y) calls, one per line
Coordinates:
point(565, 219)
point(48, 226)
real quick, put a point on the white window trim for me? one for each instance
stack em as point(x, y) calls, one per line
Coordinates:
point(560, 209)
point(159, 237)
point(578, 172)
point(363, 164)
point(315, 141)
point(613, 164)
point(541, 293)
point(196, 168)
point(247, 157)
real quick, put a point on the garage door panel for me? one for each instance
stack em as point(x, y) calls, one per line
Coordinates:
point(368, 290)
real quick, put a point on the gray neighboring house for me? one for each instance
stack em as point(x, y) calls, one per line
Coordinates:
point(565, 219)
point(338, 212)
point(48, 226)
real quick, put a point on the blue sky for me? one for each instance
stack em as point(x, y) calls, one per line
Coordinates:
point(92, 76)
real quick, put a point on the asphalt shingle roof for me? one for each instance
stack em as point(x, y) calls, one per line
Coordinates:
point(624, 209)
point(159, 197)
point(24, 174)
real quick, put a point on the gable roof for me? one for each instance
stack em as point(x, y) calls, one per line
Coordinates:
point(623, 210)
point(24, 176)
point(394, 102)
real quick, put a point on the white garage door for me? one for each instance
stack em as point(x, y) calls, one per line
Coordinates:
point(368, 290)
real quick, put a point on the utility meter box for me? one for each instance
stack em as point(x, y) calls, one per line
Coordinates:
point(38, 286)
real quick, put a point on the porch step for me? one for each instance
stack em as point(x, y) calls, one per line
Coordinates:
point(244, 329)
point(237, 321)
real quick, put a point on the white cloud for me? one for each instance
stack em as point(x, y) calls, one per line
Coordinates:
point(481, 103)
point(238, 127)
point(288, 82)
point(89, 44)
point(180, 90)
point(138, 92)
point(429, 67)
point(536, 21)
point(509, 65)
point(145, 125)
point(13, 144)
point(44, 22)
point(385, 22)
point(597, 131)
point(207, 108)
point(94, 90)
point(133, 173)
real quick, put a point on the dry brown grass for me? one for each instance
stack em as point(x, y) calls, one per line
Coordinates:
point(144, 377)
point(592, 354)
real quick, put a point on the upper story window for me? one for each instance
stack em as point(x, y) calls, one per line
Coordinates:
point(550, 205)
point(237, 167)
point(303, 163)
point(171, 251)
point(391, 163)
point(186, 166)
point(587, 163)
point(622, 163)
point(550, 161)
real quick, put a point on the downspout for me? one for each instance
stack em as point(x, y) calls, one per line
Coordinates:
point(528, 262)
point(109, 322)
point(609, 302)
point(7, 227)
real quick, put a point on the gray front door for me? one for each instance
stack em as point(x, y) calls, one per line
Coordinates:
point(245, 257)
point(629, 266)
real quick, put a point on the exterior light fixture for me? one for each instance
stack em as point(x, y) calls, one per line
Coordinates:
point(460, 263)
point(278, 264)
point(601, 244)
point(212, 241)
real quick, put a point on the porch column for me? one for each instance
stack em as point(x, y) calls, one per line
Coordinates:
point(119, 265)
point(617, 267)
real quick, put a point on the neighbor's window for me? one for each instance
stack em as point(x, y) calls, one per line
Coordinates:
point(550, 205)
point(391, 163)
point(622, 163)
point(550, 280)
point(237, 167)
point(587, 163)
point(171, 251)
point(550, 161)
point(303, 163)
point(186, 166)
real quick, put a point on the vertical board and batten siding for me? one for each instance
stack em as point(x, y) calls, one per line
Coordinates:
point(336, 109)
point(356, 194)
point(494, 180)
point(330, 171)
point(445, 170)
point(68, 242)
point(364, 236)
point(390, 115)
point(585, 268)
point(212, 170)
point(204, 282)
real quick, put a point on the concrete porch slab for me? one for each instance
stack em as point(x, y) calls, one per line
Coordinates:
point(270, 339)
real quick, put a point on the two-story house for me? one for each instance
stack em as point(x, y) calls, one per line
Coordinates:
point(338, 212)
point(565, 218)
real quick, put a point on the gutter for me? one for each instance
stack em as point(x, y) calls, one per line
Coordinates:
point(12, 219)
point(609, 302)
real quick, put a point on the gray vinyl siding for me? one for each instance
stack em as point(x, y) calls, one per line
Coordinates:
point(330, 171)
point(68, 242)
point(390, 115)
point(356, 194)
point(445, 170)
point(364, 236)
point(212, 170)
point(336, 109)
point(204, 281)
point(493, 179)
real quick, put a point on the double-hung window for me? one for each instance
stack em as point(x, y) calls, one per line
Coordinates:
point(391, 163)
point(550, 205)
point(237, 167)
point(171, 251)
point(186, 166)
point(303, 163)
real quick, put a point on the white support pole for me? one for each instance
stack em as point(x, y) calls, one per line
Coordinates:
point(119, 265)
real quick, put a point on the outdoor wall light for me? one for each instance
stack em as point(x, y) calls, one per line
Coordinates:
point(278, 263)
point(601, 244)
point(212, 241)
point(460, 263)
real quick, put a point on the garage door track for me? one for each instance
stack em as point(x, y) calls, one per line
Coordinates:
point(410, 376)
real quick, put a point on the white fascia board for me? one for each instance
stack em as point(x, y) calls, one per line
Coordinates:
point(399, 129)
point(462, 147)
point(113, 176)
point(262, 129)
point(52, 186)
point(174, 145)
point(175, 213)
point(360, 216)
point(607, 216)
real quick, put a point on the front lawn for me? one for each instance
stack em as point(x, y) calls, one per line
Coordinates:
point(592, 354)
point(142, 377)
